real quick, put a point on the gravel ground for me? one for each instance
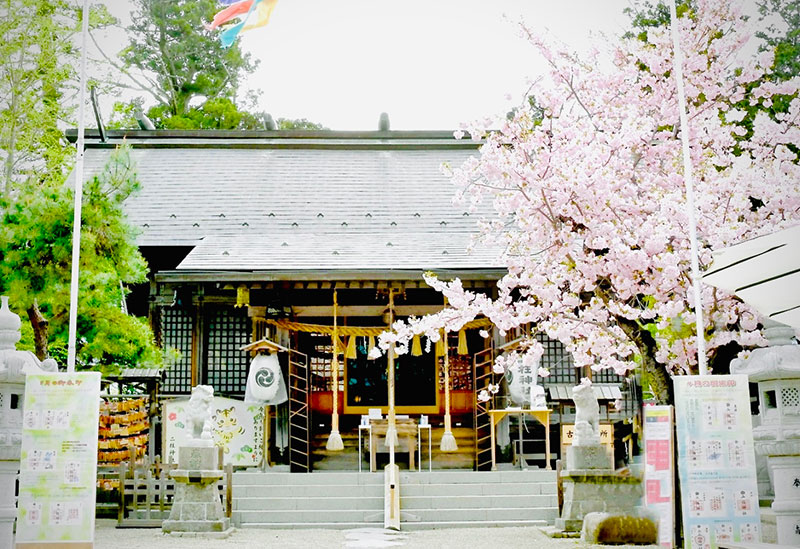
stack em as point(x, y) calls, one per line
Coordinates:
point(107, 536)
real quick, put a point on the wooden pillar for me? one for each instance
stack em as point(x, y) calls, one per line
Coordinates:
point(391, 432)
point(198, 343)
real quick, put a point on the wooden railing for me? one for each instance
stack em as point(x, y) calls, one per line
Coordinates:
point(484, 376)
point(299, 414)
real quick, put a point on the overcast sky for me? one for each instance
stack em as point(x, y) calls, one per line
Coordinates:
point(431, 64)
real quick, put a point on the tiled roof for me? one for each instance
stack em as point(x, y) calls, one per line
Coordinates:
point(263, 206)
point(563, 391)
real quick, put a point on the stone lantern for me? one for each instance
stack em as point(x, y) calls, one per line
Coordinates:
point(14, 366)
point(776, 369)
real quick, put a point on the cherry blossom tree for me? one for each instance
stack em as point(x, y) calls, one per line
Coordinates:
point(587, 191)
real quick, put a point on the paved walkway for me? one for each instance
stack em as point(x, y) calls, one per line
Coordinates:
point(109, 537)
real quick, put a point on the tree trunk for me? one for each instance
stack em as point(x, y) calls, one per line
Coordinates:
point(41, 330)
point(657, 373)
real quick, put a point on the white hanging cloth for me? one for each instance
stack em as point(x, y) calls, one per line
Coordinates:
point(265, 383)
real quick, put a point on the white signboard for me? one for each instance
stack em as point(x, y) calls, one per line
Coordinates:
point(58, 468)
point(238, 427)
point(716, 461)
point(659, 470)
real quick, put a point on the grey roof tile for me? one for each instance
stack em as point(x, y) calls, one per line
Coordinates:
point(272, 209)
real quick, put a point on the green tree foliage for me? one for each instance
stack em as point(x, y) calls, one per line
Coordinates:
point(35, 50)
point(170, 47)
point(36, 91)
point(785, 38)
point(35, 259)
point(192, 78)
point(782, 40)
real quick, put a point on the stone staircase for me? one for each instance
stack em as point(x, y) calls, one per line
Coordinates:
point(427, 500)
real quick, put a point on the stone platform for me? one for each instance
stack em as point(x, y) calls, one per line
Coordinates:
point(197, 510)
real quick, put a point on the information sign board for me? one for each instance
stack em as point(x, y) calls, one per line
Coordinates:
point(58, 468)
point(238, 427)
point(659, 470)
point(568, 433)
point(716, 461)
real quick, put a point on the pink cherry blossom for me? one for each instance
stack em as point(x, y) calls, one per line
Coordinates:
point(588, 201)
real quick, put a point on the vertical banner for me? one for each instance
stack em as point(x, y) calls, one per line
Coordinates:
point(659, 470)
point(716, 461)
point(58, 466)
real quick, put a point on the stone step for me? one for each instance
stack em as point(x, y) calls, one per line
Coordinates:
point(478, 477)
point(440, 499)
point(478, 489)
point(314, 503)
point(375, 501)
point(308, 490)
point(303, 479)
point(406, 525)
point(516, 501)
point(262, 516)
point(407, 477)
point(487, 515)
point(422, 525)
point(407, 488)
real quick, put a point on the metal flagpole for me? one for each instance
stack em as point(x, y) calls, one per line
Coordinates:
point(76, 223)
point(687, 177)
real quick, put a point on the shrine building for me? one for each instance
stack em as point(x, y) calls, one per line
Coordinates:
point(262, 235)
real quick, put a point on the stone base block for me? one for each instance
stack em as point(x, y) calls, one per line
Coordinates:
point(198, 458)
point(591, 491)
point(589, 457)
point(787, 527)
point(205, 528)
point(608, 528)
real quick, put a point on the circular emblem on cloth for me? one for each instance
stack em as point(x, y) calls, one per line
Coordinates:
point(265, 377)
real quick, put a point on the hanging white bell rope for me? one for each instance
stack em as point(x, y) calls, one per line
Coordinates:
point(448, 443)
point(335, 443)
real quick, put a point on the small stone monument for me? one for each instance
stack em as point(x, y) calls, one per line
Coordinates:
point(196, 510)
point(776, 369)
point(591, 485)
point(14, 366)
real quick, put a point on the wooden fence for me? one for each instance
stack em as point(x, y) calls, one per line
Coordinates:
point(146, 493)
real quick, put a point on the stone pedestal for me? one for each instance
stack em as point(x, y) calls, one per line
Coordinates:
point(591, 485)
point(196, 510)
point(592, 490)
point(785, 473)
point(776, 369)
point(589, 457)
point(8, 511)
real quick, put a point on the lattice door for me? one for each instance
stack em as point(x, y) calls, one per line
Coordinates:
point(299, 413)
point(176, 330)
point(226, 364)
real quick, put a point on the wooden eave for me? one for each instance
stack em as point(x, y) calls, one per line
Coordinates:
point(181, 276)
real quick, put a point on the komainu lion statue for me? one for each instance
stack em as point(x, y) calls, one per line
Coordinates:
point(198, 413)
point(587, 415)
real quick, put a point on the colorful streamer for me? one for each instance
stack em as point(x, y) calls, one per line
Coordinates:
point(235, 9)
point(253, 14)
